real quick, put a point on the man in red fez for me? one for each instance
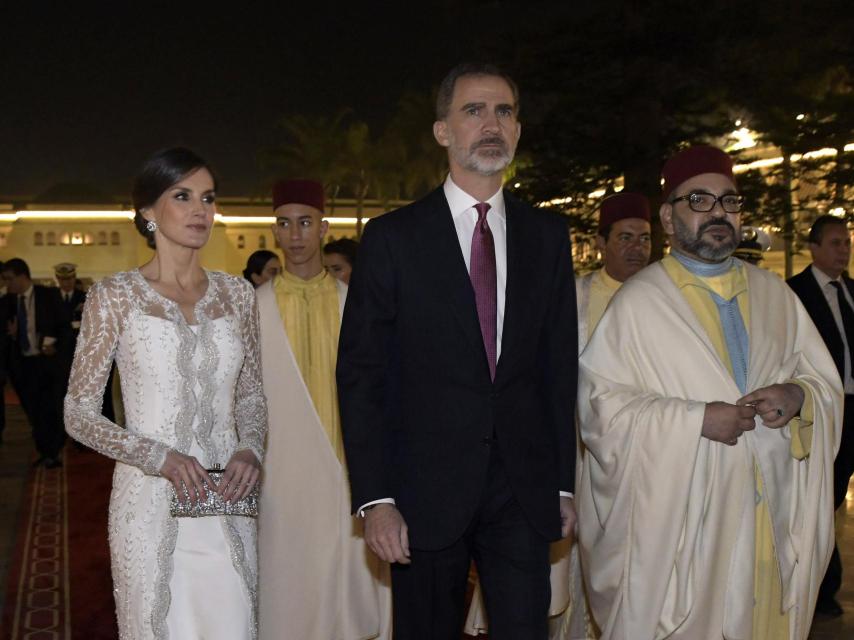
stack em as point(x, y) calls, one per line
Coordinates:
point(710, 412)
point(308, 541)
point(625, 242)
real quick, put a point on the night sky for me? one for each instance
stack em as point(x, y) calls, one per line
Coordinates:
point(86, 94)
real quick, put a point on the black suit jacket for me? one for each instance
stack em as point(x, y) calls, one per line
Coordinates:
point(418, 406)
point(51, 317)
point(808, 290)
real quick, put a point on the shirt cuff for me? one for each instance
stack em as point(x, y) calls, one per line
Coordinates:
point(368, 504)
point(801, 426)
point(566, 494)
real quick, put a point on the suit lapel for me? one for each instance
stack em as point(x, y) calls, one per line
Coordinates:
point(515, 289)
point(448, 267)
point(819, 302)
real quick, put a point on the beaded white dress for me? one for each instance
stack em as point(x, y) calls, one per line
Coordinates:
point(192, 388)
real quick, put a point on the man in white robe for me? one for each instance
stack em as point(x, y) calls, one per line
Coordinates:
point(710, 412)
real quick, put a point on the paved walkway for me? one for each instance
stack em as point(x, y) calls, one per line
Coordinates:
point(16, 454)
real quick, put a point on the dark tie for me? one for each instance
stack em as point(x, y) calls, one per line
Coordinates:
point(484, 282)
point(847, 320)
point(23, 334)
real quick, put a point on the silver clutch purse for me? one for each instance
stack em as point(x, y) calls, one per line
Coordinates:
point(214, 505)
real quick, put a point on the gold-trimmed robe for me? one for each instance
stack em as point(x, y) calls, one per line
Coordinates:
point(317, 577)
point(666, 517)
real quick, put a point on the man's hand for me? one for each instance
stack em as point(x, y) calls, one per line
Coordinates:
point(776, 404)
point(724, 422)
point(568, 518)
point(386, 533)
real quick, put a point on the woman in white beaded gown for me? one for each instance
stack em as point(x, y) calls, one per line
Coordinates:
point(186, 344)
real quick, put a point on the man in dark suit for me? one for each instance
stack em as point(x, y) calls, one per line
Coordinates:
point(35, 320)
point(828, 295)
point(457, 379)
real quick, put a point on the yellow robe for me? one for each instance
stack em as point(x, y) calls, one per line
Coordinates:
point(602, 289)
point(310, 310)
point(768, 621)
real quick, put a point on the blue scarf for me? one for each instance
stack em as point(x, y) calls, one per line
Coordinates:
point(735, 333)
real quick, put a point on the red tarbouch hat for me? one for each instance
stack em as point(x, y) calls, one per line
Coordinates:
point(621, 206)
point(694, 161)
point(308, 192)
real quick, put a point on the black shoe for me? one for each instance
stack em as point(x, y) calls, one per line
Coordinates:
point(829, 607)
point(54, 463)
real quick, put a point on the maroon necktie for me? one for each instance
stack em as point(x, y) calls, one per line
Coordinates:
point(483, 280)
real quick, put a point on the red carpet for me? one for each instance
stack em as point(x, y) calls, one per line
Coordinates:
point(59, 584)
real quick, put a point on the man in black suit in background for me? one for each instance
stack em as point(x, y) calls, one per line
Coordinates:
point(457, 375)
point(35, 320)
point(828, 295)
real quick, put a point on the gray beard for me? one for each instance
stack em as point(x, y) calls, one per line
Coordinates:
point(695, 245)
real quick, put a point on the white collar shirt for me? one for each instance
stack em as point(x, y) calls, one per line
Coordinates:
point(465, 219)
point(28, 298)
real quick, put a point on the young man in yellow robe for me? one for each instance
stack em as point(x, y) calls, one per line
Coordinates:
point(710, 410)
point(316, 578)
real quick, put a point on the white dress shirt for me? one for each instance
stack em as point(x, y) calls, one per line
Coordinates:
point(465, 219)
point(832, 298)
point(30, 308)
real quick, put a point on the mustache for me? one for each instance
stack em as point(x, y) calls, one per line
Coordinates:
point(492, 140)
point(715, 223)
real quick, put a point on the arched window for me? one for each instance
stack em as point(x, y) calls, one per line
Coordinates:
point(262, 241)
point(102, 238)
point(241, 242)
point(115, 238)
point(51, 239)
point(38, 238)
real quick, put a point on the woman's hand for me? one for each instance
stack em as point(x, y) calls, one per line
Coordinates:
point(185, 471)
point(241, 474)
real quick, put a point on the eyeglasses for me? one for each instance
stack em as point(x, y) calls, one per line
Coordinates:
point(703, 202)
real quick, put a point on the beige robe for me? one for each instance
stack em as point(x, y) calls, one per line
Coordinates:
point(666, 517)
point(317, 577)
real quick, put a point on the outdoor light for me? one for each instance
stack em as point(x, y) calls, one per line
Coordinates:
point(837, 211)
point(800, 116)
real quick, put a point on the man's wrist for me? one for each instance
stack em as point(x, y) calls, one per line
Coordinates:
point(363, 510)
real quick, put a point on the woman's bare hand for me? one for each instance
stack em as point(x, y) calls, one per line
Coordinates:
point(241, 475)
point(185, 471)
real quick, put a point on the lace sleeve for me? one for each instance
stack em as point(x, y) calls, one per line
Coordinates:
point(96, 345)
point(250, 409)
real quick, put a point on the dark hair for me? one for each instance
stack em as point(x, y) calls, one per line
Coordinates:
point(820, 223)
point(162, 170)
point(446, 90)
point(346, 247)
point(17, 266)
point(256, 263)
point(605, 231)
